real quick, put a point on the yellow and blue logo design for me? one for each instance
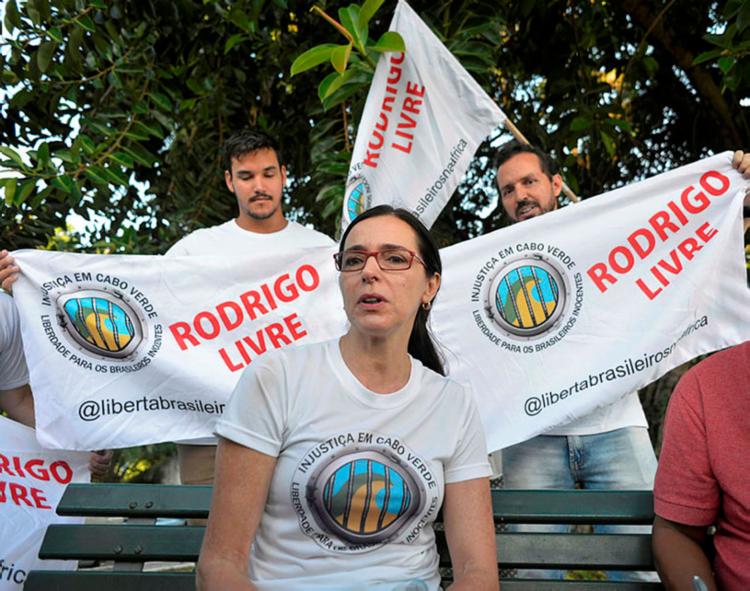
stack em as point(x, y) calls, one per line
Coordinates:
point(357, 198)
point(364, 497)
point(101, 323)
point(527, 297)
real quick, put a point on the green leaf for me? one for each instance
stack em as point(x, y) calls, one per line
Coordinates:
point(232, 41)
point(9, 76)
point(44, 55)
point(85, 22)
point(149, 128)
point(25, 188)
point(10, 190)
point(239, 18)
point(343, 93)
point(12, 154)
point(161, 101)
point(349, 18)
point(340, 57)
point(42, 155)
point(122, 158)
point(63, 183)
point(707, 56)
point(89, 147)
point(580, 123)
point(140, 154)
point(609, 143)
point(99, 127)
point(331, 207)
point(389, 41)
point(115, 176)
point(12, 19)
point(743, 17)
point(96, 174)
point(67, 156)
point(34, 14)
point(332, 83)
point(312, 57)
point(725, 63)
point(369, 8)
point(55, 34)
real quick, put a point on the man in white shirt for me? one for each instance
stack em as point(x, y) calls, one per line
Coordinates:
point(608, 449)
point(254, 174)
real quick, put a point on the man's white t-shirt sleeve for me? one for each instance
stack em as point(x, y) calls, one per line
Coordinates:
point(470, 458)
point(254, 416)
point(13, 370)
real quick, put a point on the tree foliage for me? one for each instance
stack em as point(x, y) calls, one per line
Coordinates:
point(117, 109)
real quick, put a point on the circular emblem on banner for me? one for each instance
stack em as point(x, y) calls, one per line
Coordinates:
point(358, 197)
point(101, 323)
point(363, 497)
point(527, 297)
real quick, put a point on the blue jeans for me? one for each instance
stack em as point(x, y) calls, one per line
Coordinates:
point(622, 459)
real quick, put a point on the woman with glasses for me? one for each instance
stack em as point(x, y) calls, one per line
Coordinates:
point(335, 458)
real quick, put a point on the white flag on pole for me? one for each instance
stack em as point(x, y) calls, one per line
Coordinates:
point(423, 120)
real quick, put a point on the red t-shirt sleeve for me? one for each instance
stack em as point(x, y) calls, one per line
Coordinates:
point(686, 490)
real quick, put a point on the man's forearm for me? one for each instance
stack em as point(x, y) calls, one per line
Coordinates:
point(679, 556)
point(19, 404)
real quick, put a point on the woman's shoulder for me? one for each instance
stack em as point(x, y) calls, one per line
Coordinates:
point(445, 385)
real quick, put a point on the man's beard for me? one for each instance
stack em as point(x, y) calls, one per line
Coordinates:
point(260, 216)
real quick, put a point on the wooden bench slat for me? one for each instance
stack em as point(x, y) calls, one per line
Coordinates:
point(110, 581)
point(573, 506)
point(135, 500)
point(509, 505)
point(138, 540)
point(542, 585)
point(567, 551)
point(122, 542)
point(574, 551)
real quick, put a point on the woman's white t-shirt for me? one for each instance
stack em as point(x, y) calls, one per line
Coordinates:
point(359, 476)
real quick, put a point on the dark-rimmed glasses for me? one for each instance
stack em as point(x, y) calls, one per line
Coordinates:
point(388, 259)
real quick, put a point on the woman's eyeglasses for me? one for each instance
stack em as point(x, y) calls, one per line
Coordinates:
point(388, 259)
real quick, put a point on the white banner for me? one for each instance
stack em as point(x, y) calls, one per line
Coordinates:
point(423, 120)
point(555, 316)
point(32, 480)
point(547, 319)
point(128, 350)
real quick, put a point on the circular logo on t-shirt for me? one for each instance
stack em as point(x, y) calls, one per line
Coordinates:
point(352, 497)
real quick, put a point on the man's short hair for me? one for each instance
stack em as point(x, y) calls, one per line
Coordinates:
point(513, 147)
point(244, 142)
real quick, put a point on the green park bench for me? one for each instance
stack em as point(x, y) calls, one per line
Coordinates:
point(140, 540)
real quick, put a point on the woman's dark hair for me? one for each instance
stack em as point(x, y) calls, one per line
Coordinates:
point(421, 346)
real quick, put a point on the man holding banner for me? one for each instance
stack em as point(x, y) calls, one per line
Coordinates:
point(608, 448)
point(255, 175)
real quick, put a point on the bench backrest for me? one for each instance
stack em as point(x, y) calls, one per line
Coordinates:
point(141, 539)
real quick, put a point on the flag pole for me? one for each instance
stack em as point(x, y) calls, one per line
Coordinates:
point(521, 138)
